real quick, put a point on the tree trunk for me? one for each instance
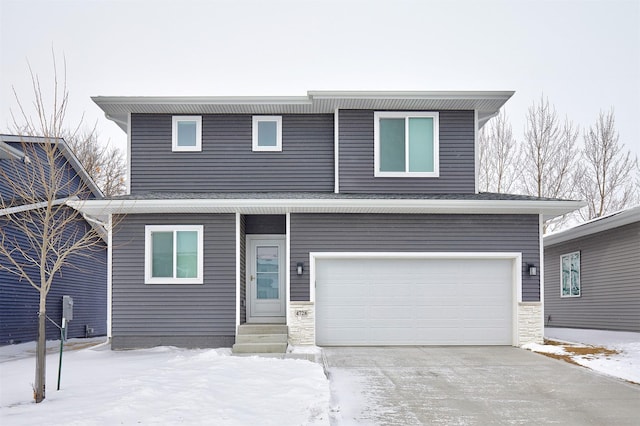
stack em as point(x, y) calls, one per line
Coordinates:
point(41, 350)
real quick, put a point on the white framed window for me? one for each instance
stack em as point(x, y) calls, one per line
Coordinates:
point(406, 144)
point(267, 133)
point(173, 254)
point(570, 274)
point(186, 134)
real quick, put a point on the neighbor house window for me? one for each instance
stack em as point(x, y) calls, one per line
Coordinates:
point(173, 254)
point(187, 133)
point(570, 274)
point(267, 133)
point(406, 144)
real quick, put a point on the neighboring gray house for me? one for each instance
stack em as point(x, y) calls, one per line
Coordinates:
point(592, 274)
point(350, 218)
point(85, 282)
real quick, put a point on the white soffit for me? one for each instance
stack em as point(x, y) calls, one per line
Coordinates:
point(487, 103)
point(614, 220)
point(101, 208)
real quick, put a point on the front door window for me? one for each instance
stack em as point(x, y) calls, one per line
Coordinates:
point(268, 272)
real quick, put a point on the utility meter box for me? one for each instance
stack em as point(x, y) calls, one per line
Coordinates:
point(67, 307)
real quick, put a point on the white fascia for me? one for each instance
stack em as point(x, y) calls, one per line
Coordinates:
point(336, 150)
point(128, 183)
point(476, 148)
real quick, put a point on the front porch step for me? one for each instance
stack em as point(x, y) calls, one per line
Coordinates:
point(261, 339)
point(263, 329)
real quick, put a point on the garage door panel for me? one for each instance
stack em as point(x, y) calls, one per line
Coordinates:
point(439, 301)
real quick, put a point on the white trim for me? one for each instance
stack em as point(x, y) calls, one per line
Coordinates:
point(128, 182)
point(238, 277)
point(336, 150)
point(287, 282)
point(515, 257)
point(174, 133)
point(34, 206)
point(109, 276)
point(255, 133)
point(406, 114)
point(541, 268)
point(550, 209)
point(476, 156)
point(148, 229)
point(570, 296)
point(600, 224)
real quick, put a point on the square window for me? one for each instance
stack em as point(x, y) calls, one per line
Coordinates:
point(570, 275)
point(267, 133)
point(173, 254)
point(406, 144)
point(187, 133)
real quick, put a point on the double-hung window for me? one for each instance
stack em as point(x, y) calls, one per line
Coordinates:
point(570, 274)
point(173, 254)
point(267, 133)
point(406, 144)
point(186, 133)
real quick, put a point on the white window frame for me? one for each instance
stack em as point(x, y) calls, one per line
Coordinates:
point(148, 262)
point(174, 133)
point(579, 275)
point(254, 133)
point(407, 114)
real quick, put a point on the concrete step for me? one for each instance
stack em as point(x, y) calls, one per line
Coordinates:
point(263, 329)
point(260, 348)
point(261, 338)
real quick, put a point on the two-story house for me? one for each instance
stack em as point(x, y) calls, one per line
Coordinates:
point(352, 218)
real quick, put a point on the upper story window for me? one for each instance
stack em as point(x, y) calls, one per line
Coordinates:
point(173, 254)
point(267, 133)
point(406, 144)
point(570, 274)
point(187, 133)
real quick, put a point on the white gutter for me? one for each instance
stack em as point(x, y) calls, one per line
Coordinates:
point(32, 206)
point(549, 209)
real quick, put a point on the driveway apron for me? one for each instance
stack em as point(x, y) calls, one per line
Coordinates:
point(496, 385)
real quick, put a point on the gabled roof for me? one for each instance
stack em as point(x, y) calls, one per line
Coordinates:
point(600, 224)
point(325, 202)
point(12, 152)
point(487, 103)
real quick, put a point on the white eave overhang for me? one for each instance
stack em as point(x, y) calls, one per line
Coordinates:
point(102, 208)
point(487, 103)
point(601, 224)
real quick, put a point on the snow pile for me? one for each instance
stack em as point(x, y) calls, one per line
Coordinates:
point(624, 364)
point(166, 385)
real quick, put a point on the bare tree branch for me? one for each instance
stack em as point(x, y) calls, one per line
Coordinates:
point(499, 156)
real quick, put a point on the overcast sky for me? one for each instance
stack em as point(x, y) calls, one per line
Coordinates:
point(583, 55)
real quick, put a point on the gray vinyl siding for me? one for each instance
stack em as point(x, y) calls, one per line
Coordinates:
point(609, 282)
point(227, 163)
point(457, 160)
point(417, 233)
point(266, 224)
point(196, 315)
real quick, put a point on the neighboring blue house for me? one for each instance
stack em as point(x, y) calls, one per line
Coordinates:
point(592, 274)
point(85, 282)
point(336, 218)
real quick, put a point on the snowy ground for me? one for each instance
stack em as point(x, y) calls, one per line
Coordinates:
point(163, 385)
point(615, 353)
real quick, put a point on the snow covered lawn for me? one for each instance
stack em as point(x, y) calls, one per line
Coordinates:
point(164, 385)
point(615, 353)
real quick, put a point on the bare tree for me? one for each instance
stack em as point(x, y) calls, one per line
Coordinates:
point(104, 164)
point(52, 233)
point(499, 156)
point(549, 155)
point(607, 171)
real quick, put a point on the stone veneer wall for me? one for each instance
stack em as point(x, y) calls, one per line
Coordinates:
point(302, 323)
point(530, 328)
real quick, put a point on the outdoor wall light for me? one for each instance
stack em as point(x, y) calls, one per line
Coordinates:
point(533, 270)
point(300, 268)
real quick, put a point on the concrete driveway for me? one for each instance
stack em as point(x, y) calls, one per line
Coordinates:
point(471, 386)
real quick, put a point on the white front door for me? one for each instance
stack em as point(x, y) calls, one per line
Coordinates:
point(265, 279)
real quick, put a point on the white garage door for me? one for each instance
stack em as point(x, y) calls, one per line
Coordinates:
point(414, 301)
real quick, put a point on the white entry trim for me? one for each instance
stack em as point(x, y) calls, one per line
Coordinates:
point(238, 277)
point(287, 265)
point(516, 258)
point(258, 237)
